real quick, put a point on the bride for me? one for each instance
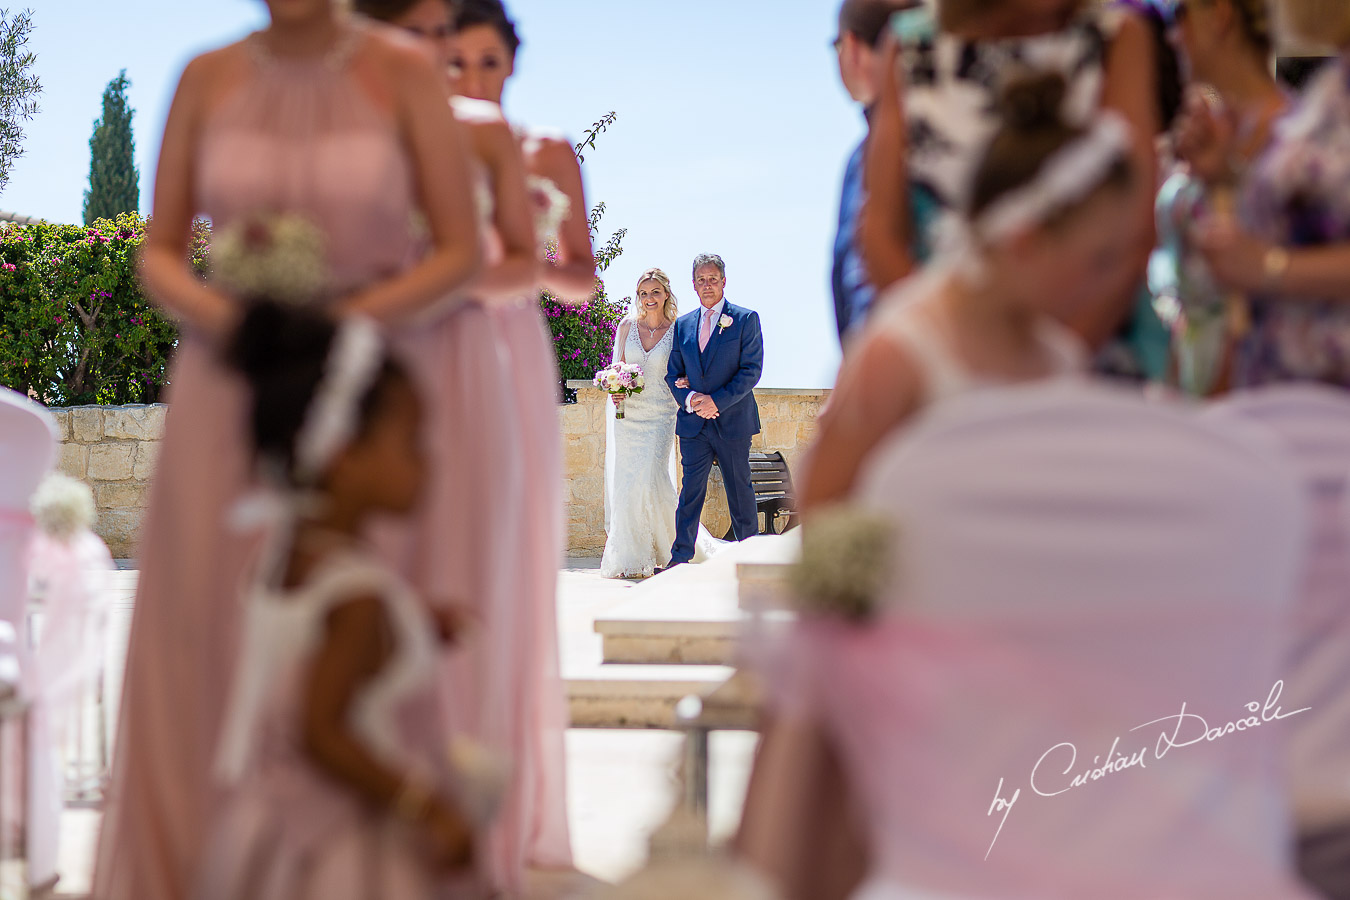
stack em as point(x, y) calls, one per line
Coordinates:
point(639, 473)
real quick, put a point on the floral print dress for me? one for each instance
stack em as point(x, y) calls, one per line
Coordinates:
point(1299, 196)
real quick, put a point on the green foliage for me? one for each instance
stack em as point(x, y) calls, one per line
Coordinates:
point(114, 181)
point(593, 132)
point(75, 326)
point(19, 86)
point(583, 333)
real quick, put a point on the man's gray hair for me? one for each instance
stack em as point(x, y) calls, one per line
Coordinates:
point(709, 259)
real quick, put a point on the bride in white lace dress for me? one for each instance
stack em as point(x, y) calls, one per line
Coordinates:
point(640, 494)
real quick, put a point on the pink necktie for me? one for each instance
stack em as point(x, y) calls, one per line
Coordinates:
point(705, 332)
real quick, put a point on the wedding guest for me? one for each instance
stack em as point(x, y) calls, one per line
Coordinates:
point(1289, 251)
point(861, 24)
point(532, 836)
point(1038, 246)
point(336, 132)
point(1227, 47)
point(341, 785)
point(928, 130)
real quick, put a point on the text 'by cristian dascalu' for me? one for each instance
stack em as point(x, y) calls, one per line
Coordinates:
point(1051, 777)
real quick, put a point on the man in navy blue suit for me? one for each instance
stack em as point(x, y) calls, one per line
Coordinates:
point(714, 366)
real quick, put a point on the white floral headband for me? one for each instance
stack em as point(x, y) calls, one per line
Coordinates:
point(330, 422)
point(1070, 174)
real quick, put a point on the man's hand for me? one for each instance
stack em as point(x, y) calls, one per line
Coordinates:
point(704, 406)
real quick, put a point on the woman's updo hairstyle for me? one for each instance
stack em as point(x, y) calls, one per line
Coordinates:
point(282, 353)
point(1257, 24)
point(1033, 131)
point(468, 13)
point(384, 10)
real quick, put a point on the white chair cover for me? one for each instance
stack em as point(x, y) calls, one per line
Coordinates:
point(1313, 422)
point(27, 450)
point(1073, 565)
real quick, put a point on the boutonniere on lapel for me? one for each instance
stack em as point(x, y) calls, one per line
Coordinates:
point(723, 323)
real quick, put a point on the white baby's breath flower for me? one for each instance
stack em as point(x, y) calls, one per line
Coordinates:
point(845, 563)
point(551, 209)
point(63, 506)
point(277, 257)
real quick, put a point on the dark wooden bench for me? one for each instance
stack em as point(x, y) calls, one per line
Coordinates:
point(775, 500)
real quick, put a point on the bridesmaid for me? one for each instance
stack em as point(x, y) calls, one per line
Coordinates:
point(321, 116)
point(534, 822)
point(462, 551)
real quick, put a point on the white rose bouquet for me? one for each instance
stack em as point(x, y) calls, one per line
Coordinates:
point(621, 380)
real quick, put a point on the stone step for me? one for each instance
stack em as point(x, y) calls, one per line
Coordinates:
point(627, 696)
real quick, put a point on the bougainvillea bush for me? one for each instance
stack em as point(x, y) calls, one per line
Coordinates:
point(75, 326)
point(583, 333)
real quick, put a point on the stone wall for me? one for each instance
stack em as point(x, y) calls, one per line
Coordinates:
point(787, 417)
point(114, 448)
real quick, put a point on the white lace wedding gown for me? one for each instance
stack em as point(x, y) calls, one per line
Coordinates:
point(640, 496)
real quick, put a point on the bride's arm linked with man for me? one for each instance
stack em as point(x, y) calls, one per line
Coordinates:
point(715, 363)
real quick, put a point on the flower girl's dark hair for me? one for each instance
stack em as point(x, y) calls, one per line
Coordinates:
point(384, 10)
point(282, 353)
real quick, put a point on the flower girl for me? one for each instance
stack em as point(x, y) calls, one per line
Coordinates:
point(342, 786)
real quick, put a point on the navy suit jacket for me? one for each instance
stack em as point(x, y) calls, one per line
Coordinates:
point(727, 371)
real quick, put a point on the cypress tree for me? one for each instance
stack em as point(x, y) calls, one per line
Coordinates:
point(114, 182)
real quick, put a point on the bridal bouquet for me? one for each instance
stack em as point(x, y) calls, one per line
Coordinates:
point(621, 380)
point(845, 563)
point(280, 257)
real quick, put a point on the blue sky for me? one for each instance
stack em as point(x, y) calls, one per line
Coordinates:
point(731, 136)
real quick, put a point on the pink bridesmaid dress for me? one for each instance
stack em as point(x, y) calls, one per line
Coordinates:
point(462, 547)
point(534, 817)
point(488, 539)
point(296, 136)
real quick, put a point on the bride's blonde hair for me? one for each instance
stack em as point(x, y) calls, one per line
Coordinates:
point(672, 308)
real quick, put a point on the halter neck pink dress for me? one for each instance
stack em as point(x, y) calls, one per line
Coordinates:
point(466, 545)
point(533, 826)
point(295, 136)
